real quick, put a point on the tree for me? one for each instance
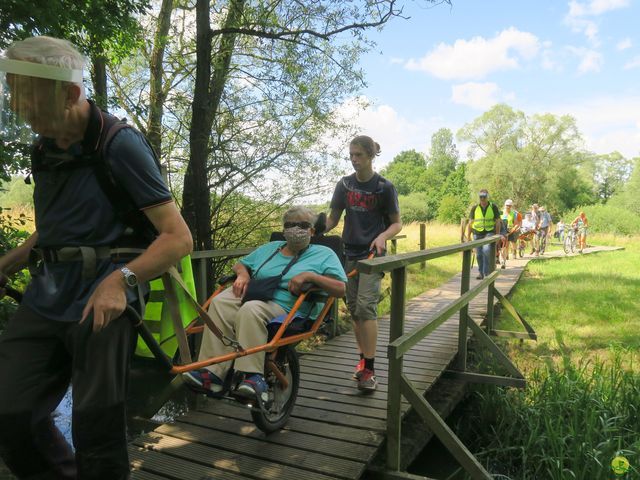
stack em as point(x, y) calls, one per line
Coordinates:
point(454, 196)
point(407, 171)
point(496, 130)
point(537, 161)
point(106, 30)
point(611, 171)
point(628, 197)
point(443, 155)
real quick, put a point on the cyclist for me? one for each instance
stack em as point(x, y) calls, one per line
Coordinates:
point(581, 224)
point(544, 225)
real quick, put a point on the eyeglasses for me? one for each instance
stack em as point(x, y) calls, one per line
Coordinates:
point(303, 225)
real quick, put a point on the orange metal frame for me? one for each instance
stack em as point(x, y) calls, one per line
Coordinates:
point(276, 342)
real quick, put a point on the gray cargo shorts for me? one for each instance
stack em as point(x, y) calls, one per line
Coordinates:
point(363, 293)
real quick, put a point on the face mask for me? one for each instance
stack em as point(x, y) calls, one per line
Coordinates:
point(297, 238)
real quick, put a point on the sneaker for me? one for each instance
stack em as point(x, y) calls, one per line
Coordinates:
point(359, 369)
point(503, 266)
point(480, 277)
point(367, 381)
point(203, 381)
point(253, 387)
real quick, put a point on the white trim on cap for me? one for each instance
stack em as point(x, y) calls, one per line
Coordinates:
point(32, 69)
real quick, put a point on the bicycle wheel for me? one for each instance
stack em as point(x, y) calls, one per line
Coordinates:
point(566, 245)
point(574, 243)
point(543, 243)
point(275, 413)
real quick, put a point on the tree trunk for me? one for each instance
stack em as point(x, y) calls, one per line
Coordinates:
point(99, 80)
point(157, 94)
point(196, 203)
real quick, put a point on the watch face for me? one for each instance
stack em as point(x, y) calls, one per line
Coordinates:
point(131, 280)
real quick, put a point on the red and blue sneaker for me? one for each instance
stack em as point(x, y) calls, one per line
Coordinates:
point(204, 381)
point(253, 387)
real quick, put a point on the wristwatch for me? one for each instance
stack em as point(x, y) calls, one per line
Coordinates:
point(130, 278)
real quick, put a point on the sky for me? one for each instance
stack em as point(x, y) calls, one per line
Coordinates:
point(446, 65)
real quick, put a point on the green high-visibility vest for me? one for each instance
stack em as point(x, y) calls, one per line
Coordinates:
point(157, 314)
point(486, 222)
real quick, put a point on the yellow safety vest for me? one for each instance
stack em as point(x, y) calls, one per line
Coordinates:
point(511, 218)
point(486, 223)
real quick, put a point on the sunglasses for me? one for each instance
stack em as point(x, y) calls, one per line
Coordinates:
point(483, 196)
point(303, 225)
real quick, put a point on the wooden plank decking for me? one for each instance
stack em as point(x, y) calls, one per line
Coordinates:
point(335, 431)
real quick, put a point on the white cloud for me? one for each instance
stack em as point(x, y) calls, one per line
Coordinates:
point(624, 44)
point(478, 57)
point(394, 132)
point(590, 60)
point(593, 8)
point(480, 96)
point(608, 123)
point(633, 63)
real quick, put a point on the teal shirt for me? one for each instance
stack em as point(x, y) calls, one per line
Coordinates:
point(317, 259)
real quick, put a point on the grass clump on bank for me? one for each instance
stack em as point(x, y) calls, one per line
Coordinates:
point(569, 423)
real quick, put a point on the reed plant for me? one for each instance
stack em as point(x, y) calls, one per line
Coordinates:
point(570, 422)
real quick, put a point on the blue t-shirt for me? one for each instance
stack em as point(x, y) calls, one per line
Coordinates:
point(71, 209)
point(317, 259)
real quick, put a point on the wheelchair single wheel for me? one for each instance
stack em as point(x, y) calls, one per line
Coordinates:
point(274, 414)
point(521, 247)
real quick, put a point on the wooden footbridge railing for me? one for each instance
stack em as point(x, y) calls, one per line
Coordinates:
point(400, 343)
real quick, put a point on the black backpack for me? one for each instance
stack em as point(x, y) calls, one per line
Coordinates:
point(140, 232)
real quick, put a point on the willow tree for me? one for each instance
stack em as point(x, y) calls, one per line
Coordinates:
point(241, 98)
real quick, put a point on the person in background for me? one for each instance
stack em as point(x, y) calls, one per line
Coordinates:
point(485, 221)
point(544, 227)
point(581, 224)
point(514, 221)
point(560, 230)
point(372, 217)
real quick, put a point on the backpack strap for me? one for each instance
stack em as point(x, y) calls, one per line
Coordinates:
point(120, 199)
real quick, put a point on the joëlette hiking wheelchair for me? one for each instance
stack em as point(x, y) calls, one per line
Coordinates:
point(281, 369)
point(523, 240)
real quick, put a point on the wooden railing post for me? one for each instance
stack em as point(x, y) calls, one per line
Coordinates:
point(396, 330)
point(492, 265)
point(465, 281)
point(394, 246)
point(201, 284)
point(423, 242)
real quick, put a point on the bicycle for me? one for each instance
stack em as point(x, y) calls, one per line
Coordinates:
point(570, 240)
point(542, 240)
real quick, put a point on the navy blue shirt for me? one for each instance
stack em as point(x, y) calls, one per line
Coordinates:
point(367, 208)
point(71, 209)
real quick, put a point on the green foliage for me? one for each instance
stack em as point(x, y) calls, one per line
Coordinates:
point(529, 159)
point(570, 422)
point(629, 196)
point(608, 219)
point(407, 172)
point(11, 235)
point(417, 207)
point(16, 193)
point(611, 171)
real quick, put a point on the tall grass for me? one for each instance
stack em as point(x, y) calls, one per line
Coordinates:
point(569, 423)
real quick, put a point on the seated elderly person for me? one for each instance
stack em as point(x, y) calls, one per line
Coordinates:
point(298, 262)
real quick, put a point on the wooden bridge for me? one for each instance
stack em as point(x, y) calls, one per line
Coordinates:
point(335, 431)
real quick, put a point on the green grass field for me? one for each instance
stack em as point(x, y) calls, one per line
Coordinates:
point(582, 306)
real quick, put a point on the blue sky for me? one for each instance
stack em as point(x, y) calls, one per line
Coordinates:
point(446, 65)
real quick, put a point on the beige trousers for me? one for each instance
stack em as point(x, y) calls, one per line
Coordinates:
point(246, 323)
